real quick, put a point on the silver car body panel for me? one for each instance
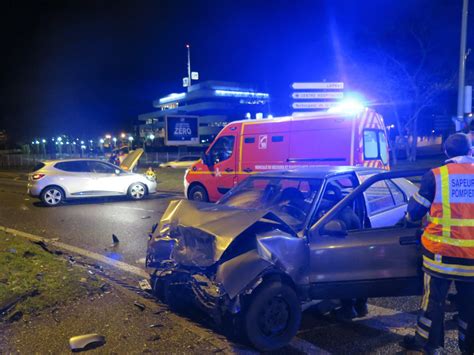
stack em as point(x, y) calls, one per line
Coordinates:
point(86, 184)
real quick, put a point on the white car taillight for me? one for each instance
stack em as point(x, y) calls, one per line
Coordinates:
point(36, 177)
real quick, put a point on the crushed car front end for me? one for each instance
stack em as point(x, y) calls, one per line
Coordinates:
point(214, 256)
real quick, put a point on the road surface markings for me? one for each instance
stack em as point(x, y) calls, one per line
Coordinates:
point(89, 254)
point(136, 209)
point(298, 344)
point(389, 320)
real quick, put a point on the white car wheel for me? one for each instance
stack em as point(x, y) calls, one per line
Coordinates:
point(137, 191)
point(52, 196)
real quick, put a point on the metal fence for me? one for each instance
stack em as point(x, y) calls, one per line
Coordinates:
point(27, 161)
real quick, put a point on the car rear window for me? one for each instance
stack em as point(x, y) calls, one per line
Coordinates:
point(73, 166)
point(38, 167)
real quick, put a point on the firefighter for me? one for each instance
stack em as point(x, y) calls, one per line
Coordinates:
point(447, 195)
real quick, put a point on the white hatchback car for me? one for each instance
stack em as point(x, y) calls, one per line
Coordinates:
point(57, 180)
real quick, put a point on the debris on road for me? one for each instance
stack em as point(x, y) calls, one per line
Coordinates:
point(146, 217)
point(86, 342)
point(141, 306)
point(155, 325)
point(144, 285)
point(115, 240)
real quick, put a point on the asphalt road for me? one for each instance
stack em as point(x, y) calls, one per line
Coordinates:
point(89, 224)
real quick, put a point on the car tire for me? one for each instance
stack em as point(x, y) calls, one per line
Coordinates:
point(272, 316)
point(137, 191)
point(52, 196)
point(198, 193)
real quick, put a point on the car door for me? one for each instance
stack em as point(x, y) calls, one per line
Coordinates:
point(105, 179)
point(364, 262)
point(76, 179)
point(222, 155)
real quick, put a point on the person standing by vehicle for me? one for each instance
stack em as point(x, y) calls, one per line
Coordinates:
point(447, 195)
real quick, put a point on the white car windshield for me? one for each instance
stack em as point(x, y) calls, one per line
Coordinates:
point(289, 198)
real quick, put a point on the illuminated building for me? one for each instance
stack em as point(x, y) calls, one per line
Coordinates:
point(216, 103)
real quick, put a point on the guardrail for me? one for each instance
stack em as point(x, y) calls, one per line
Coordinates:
point(12, 161)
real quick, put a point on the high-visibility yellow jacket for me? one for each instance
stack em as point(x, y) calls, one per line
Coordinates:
point(448, 239)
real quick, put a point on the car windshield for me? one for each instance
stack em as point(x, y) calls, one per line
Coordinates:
point(289, 198)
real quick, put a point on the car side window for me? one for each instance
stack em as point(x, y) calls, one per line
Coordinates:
point(73, 166)
point(398, 195)
point(222, 149)
point(101, 168)
point(336, 189)
point(379, 198)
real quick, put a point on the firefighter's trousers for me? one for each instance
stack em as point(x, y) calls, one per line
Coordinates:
point(430, 327)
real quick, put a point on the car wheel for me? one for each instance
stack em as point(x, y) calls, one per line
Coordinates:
point(137, 191)
point(272, 317)
point(198, 193)
point(52, 196)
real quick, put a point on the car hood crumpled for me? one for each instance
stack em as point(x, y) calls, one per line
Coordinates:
point(200, 232)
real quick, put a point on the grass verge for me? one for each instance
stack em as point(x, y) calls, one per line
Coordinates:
point(32, 279)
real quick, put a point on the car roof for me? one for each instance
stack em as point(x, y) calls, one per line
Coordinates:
point(320, 172)
point(51, 162)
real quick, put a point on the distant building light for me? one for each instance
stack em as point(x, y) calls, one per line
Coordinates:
point(56, 143)
point(83, 146)
point(114, 139)
point(37, 142)
point(259, 115)
point(82, 142)
point(33, 142)
point(67, 142)
point(172, 97)
point(433, 131)
point(235, 93)
point(101, 141)
point(108, 136)
point(151, 136)
point(270, 116)
point(62, 143)
point(59, 139)
point(130, 139)
point(43, 141)
point(74, 143)
point(248, 116)
point(122, 135)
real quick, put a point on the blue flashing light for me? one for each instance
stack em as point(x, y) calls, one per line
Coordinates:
point(349, 106)
point(235, 93)
point(172, 97)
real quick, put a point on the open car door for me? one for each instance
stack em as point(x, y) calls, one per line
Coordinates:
point(367, 262)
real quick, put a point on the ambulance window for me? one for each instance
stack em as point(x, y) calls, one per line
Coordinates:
point(371, 148)
point(383, 147)
point(222, 149)
point(277, 139)
point(249, 140)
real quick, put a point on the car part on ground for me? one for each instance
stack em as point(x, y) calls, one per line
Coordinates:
point(85, 342)
point(250, 262)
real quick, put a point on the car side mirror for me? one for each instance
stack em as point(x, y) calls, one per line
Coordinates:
point(335, 228)
point(117, 171)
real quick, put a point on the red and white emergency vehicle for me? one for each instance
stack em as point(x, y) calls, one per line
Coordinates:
point(282, 143)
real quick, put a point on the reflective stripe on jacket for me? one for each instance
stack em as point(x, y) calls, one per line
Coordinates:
point(450, 230)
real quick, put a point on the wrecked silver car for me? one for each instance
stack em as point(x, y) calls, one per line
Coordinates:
point(281, 239)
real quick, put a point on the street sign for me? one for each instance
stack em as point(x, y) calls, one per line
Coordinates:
point(317, 95)
point(194, 75)
point(185, 82)
point(181, 130)
point(313, 105)
point(319, 85)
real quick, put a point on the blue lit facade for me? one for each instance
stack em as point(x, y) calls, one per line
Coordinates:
point(216, 103)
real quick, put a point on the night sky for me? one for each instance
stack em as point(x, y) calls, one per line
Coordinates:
point(90, 67)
